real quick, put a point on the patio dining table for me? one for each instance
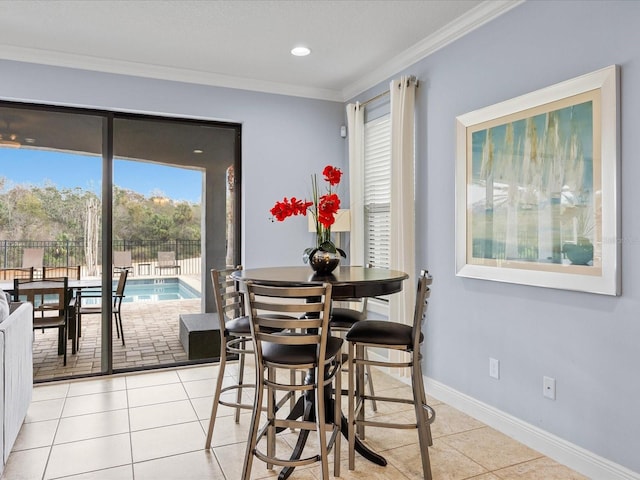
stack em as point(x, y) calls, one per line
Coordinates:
point(73, 286)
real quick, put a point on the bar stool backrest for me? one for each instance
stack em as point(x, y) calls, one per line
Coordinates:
point(422, 296)
point(304, 310)
point(229, 300)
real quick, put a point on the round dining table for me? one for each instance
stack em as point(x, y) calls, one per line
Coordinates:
point(347, 282)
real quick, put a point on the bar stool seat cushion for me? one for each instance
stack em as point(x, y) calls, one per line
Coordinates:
point(239, 325)
point(298, 354)
point(345, 317)
point(381, 332)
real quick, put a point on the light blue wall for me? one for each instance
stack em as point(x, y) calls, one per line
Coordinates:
point(284, 139)
point(589, 343)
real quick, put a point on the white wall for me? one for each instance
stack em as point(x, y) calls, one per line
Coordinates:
point(589, 343)
point(284, 139)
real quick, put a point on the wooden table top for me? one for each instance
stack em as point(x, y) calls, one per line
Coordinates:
point(74, 284)
point(347, 281)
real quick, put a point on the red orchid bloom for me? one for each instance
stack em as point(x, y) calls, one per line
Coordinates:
point(327, 209)
point(323, 208)
point(332, 175)
point(287, 208)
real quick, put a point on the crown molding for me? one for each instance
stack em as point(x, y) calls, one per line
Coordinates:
point(483, 13)
point(160, 72)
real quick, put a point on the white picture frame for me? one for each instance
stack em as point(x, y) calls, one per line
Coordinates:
point(537, 187)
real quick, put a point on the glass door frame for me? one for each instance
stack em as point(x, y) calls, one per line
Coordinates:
point(109, 117)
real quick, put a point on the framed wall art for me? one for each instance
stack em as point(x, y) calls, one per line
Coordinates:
point(537, 188)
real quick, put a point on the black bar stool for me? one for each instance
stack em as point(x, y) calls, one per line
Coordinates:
point(290, 331)
point(235, 334)
point(392, 336)
point(235, 342)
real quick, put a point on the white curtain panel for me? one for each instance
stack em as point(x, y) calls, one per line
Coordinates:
point(402, 248)
point(355, 125)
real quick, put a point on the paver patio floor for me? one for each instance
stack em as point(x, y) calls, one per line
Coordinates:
point(151, 337)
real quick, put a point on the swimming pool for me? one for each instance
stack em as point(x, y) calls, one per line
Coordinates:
point(157, 290)
point(150, 290)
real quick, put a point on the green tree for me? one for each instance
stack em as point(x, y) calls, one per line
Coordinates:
point(47, 213)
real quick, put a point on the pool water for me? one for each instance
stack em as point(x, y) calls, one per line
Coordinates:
point(153, 290)
point(157, 290)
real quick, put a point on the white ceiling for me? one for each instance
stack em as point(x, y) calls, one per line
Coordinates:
point(241, 43)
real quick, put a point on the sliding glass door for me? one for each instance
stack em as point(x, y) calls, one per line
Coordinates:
point(162, 172)
point(162, 193)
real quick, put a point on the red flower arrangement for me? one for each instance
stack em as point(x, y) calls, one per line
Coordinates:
point(323, 208)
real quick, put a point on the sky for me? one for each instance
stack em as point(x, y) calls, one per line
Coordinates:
point(67, 170)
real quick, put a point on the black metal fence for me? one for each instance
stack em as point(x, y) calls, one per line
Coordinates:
point(72, 253)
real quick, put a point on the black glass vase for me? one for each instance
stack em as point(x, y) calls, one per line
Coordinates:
point(323, 263)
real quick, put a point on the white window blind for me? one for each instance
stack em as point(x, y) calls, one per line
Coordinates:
point(377, 190)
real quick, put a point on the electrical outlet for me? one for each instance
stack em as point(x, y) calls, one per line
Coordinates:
point(549, 387)
point(494, 368)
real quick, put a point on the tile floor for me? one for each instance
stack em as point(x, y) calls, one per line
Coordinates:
point(152, 425)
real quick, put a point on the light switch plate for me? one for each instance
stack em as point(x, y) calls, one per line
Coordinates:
point(494, 368)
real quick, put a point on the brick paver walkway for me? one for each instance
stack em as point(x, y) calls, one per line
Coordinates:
point(151, 336)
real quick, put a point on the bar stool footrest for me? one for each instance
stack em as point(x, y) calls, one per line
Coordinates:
point(236, 404)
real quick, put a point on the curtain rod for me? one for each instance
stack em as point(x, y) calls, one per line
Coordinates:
point(412, 78)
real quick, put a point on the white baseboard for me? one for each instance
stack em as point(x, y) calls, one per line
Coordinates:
point(577, 458)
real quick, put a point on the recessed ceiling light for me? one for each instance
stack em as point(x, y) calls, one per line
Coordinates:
point(197, 150)
point(300, 51)
point(9, 141)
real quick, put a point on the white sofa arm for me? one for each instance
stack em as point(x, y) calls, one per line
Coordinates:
point(16, 372)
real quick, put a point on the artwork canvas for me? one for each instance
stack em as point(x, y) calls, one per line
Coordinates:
point(537, 188)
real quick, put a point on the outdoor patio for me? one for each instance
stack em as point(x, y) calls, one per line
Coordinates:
point(151, 336)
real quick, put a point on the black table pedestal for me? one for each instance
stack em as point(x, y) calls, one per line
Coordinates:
point(304, 408)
